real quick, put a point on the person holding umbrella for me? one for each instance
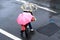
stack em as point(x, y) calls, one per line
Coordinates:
point(24, 19)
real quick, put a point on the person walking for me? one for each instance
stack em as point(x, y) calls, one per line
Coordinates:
point(24, 19)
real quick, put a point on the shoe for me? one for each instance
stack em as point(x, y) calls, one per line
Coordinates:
point(31, 30)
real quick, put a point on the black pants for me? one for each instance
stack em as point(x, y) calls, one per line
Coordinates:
point(30, 26)
point(25, 31)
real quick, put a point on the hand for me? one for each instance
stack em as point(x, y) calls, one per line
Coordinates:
point(33, 19)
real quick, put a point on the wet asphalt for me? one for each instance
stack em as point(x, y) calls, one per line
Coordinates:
point(10, 9)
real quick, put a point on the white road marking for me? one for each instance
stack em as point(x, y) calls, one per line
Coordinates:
point(9, 35)
point(45, 8)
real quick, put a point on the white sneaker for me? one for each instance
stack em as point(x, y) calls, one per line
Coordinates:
point(31, 29)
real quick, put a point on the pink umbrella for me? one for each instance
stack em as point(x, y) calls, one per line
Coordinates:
point(24, 18)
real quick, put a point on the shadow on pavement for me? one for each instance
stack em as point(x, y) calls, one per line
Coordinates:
point(30, 35)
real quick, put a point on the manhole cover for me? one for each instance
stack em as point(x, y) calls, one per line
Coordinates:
point(49, 29)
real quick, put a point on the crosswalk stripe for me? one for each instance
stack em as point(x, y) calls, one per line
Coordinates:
point(9, 35)
point(45, 8)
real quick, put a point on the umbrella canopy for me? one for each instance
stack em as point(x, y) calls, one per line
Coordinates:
point(29, 7)
point(24, 18)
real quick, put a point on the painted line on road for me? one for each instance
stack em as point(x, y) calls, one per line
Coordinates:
point(45, 8)
point(9, 35)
